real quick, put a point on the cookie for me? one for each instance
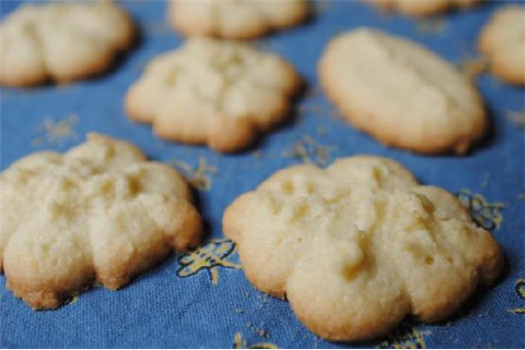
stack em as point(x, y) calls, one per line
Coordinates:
point(422, 8)
point(401, 93)
point(61, 41)
point(357, 247)
point(235, 19)
point(503, 43)
point(99, 212)
point(215, 93)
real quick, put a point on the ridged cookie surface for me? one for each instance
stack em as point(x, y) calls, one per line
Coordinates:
point(99, 212)
point(401, 93)
point(358, 246)
point(61, 41)
point(503, 42)
point(217, 93)
point(235, 19)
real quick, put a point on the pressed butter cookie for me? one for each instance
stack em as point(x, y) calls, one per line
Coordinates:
point(422, 7)
point(61, 41)
point(359, 246)
point(503, 42)
point(235, 19)
point(217, 93)
point(401, 93)
point(100, 212)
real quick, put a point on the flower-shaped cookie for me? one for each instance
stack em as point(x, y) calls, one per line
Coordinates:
point(357, 247)
point(61, 42)
point(503, 42)
point(99, 212)
point(235, 19)
point(423, 7)
point(213, 92)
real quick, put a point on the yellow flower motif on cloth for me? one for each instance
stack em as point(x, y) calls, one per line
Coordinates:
point(72, 300)
point(53, 132)
point(199, 177)
point(406, 336)
point(240, 343)
point(486, 215)
point(309, 151)
point(208, 257)
point(520, 289)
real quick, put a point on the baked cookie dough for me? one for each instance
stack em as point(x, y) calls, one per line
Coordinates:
point(357, 247)
point(99, 212)
point(61, 41)
point(503, 43)
point(422, 7)
point(401, 93)
point(217, 93)
point(235, 19)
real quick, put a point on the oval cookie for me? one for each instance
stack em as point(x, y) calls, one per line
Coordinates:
point(357, 247)
point(401, 93)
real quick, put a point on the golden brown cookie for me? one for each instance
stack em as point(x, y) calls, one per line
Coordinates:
point(99, 212)
point(216, 93)
point(503, 42)
point(357, 247)
point(401, 93)
point(61, 41)
point(235, 19)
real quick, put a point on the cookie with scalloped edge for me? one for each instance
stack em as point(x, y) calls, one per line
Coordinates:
point(360, 245)
point(502, 40)
point(401, 93)
point(211, 92)
point(235, 19)
point(423, 7)
point(100, 212)
point(61, 42)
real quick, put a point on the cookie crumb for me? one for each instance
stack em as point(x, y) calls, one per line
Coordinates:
point(516, 117)
point(432, 26)
point(263, 333)
point(309, 151)
point(321, 130)
point(486, 179)
point(199, 177)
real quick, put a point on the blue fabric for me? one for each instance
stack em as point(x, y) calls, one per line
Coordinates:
point(202, 299)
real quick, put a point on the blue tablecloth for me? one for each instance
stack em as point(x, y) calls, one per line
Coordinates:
point(198, 301)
